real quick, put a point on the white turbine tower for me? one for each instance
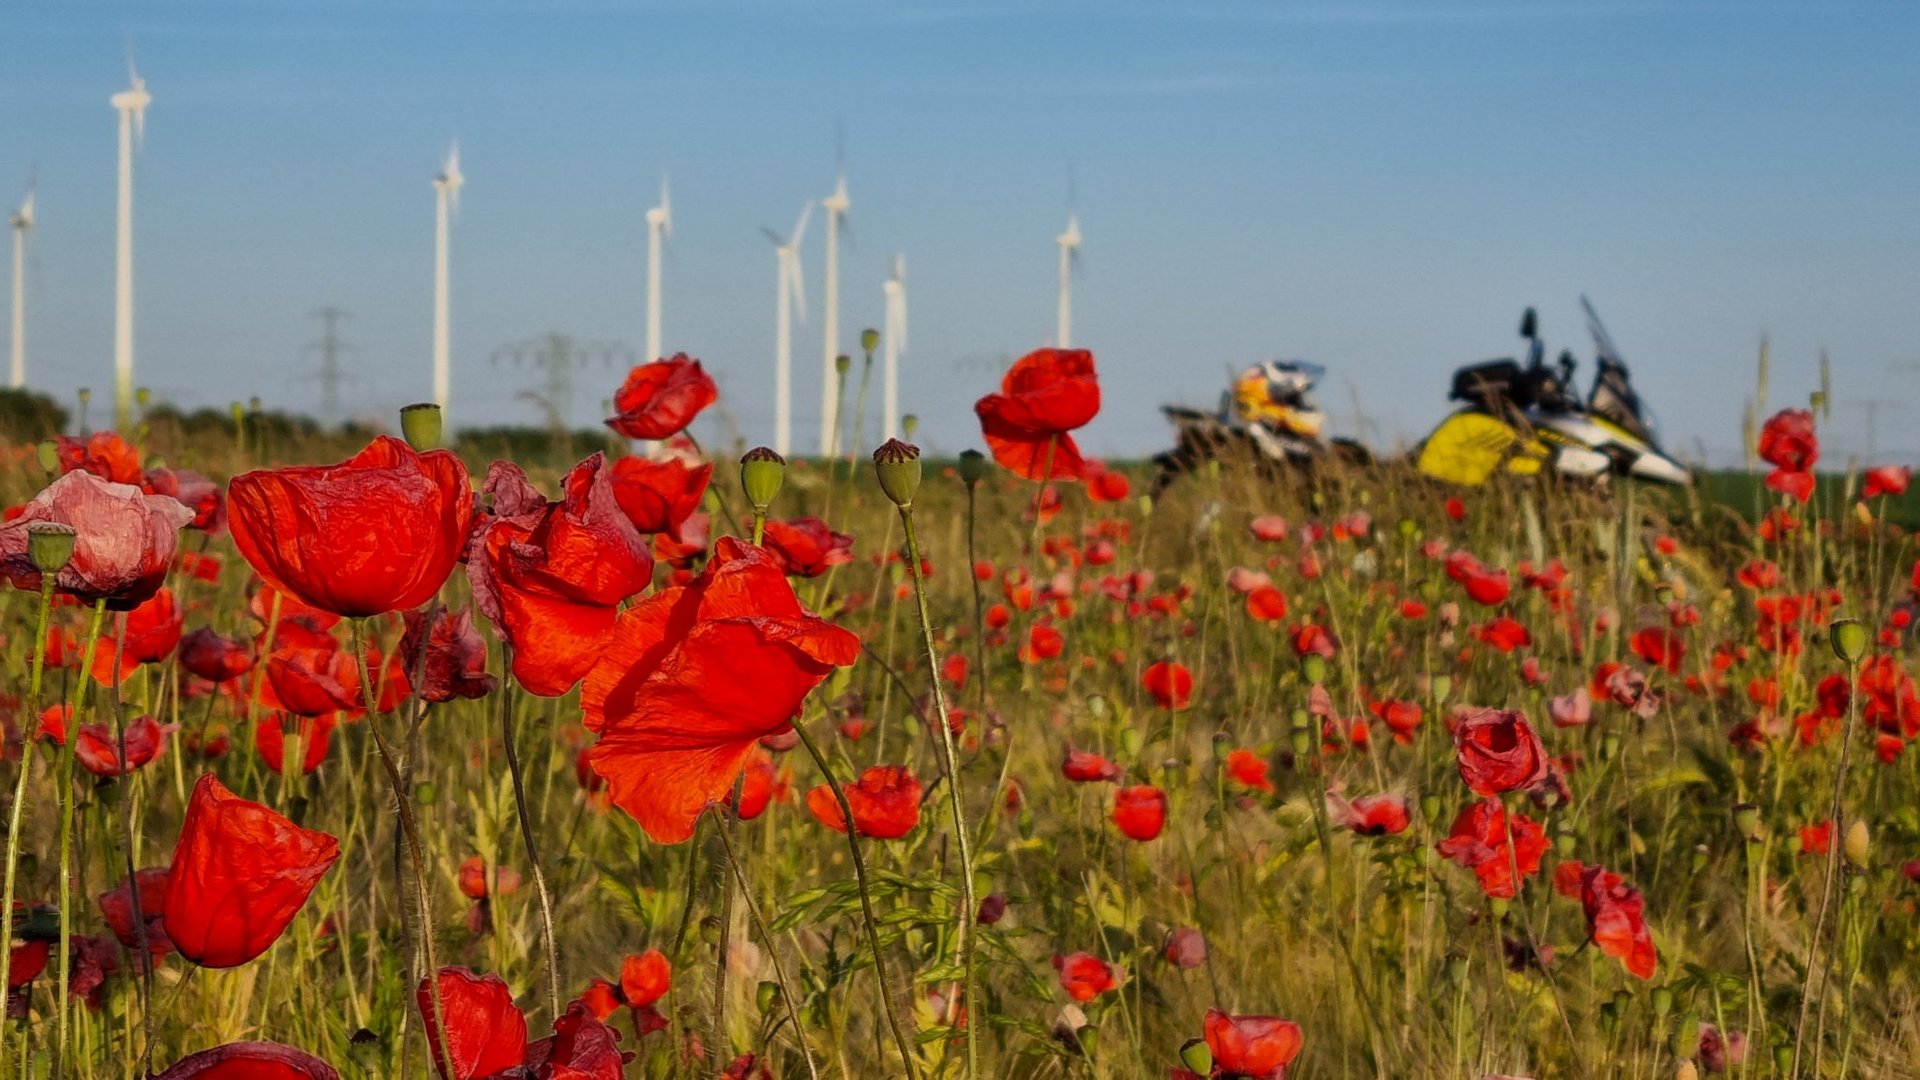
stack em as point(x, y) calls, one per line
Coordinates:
point(446, 195)
point(132, 105)
point(894, 341)
point(835, 207)
point(790, 293)
point(22, 222)
point(1069, 242)
point(659, 227)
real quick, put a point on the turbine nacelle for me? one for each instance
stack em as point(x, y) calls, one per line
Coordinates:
point(450, 179)
point(661, 217)
point(23, 218)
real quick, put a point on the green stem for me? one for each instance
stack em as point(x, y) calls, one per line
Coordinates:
point(17, 812)
point(951, 760)
point(866, 904)
point(526, 837)
point(773, 952)
point(1818, 962)
point(66, 831)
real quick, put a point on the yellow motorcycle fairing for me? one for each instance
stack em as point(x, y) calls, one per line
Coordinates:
point(1468, 447)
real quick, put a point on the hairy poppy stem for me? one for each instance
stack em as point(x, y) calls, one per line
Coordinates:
point(979, 606)
point(17, 812)
point(410, 832)
point(950, 757)
point(526, 837)
point(721, 1042)
point(866, 903)
point(1817, 963)
point(773, 952)
point(66, 832)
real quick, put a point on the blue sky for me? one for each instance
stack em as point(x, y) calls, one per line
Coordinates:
point(1379, 187)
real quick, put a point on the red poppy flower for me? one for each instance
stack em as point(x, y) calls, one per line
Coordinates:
point(885, 802)
point(1571, 710)
point(1886, 480)
point(1140, 811)
point(1478, 842)
point(193, 491)
point(312, 677)
point(214, 658)
point(250, 1061)
point(1371, 815)
point(486, 1034)
point(1044, 396)
point(763, 782)
point(378, 532)
point(448, 654)
point(1271, 528)
point(117, 910)
point(1504, 634)
point(1085, 976)
point(97, 747)
point(145, 635)
point(1484, 585)
point(1249, 770)
point(1104, 485)
point(580, 1048)
point(269, 738)
point(104, 454)
point(1498, 751)
point(805, 546)
point(1082, 767)
point(645, 978)
point(550, 576)
point(1616, 921)
point(1659, 647)
point(1401, 717)
point(240, 873)
point(658, 495)
point(124, 541)
point(1312, 639)
point(693, 676)
point(1817, 838)
point(1043, 643)
point(1170, 684)
point(1185, 948)
point(1252, 1046)
point(1267, 604)
point(1787, 441)
point(660, 399)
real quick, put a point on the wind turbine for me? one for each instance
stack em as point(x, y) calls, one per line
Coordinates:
point(132, 105)
point(1069, 242)
point(659, 226)
point(790, 292)
point(835, 207)
point(22, 221)
point(446, 194)
point(894, 342)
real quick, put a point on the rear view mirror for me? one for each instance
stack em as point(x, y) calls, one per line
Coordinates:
point(1529, 325)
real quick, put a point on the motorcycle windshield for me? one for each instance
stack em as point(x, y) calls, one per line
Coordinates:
point(1614, 400)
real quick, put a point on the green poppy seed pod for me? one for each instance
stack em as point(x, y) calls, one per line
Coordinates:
point(1783, 1059)
point(762, 472)
point(1849, 639)
point(1622, 1001)
point(765, 995)
point(142, 396)
point(49, 456)
point(1564, 842)
point(423, 426)
point(1662, 1001)
point(1686, 1036)
point(973, 466)
point(1859, 844)
point(909, 424)
point(842, 364)
point(1097, 706)
point(897, 464)
point(84, 394)
point(1431, 807)
point(869, 340)
point(710, 929)
point(50, 545)
point(1314, 667)
point(425, 794)
point(1746, 821)
point(1302, 741)
point(1442, 686)
point(1610, 747)
point(1497, 907)
point(1131, 741)
point(367, 1050)
point(1196, 1057)
point(1408, 528)
point(1089, 1040)
point(1457, 969)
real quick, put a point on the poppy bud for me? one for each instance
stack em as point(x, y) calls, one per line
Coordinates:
point(973, 466)
point(710, 929)
point(1849, 639)
point(869, 340)
point(1314, 667)
point(897, 464)
point(49, 456)
point(1197, 1058)
point(50, 545)
point(423, 426)
point(1089, 1039)
point(1442, 686)
point(1662, 1001)
point(1686, 1036)
point(1858, 844)
point(765, 995)
point(1497, 907)
point(1746, 821)
point(425, 793)
point(842, 364)
point(909, 424)
point(762, 472)
point(142, 396)
point(1430, 807)
point(1130, 741)
point(1609, 1016)
point(85, 394)
point(1457, 969)
point(1610, 747)
point(1783, 1058)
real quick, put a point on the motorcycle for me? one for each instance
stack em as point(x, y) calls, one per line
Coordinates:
point(1268, 420)
point(1529, 420)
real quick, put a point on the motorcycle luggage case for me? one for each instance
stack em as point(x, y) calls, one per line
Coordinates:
point(1482, 383)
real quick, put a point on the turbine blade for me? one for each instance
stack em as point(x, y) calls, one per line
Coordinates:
point(800, 227)
point(773, 237)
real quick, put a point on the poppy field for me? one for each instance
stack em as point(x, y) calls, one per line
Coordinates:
point(686, 761)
